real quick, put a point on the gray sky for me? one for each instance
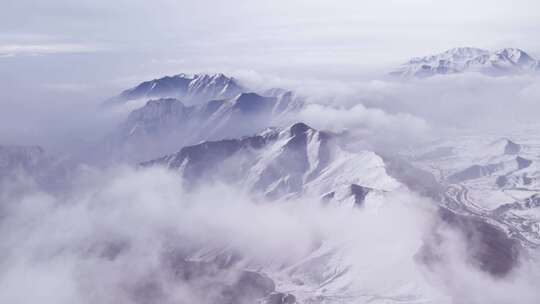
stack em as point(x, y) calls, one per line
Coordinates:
point(56, 54)
point(97, 43)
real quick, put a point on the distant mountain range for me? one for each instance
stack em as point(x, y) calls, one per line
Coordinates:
point(466, 59)
point(190, 88)
point(211, 129)
point(183, 111)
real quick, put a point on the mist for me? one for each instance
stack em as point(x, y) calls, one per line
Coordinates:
point(111, 237)
point(384, 112)
point(331, 181)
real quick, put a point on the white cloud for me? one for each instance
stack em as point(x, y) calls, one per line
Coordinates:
point(374, 125)
point(10, 50)
point(108, 239)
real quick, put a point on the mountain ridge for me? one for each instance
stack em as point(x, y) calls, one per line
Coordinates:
point(505, 61)
point(191, 88)
point(286, 163)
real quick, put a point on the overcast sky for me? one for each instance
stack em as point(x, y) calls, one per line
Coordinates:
point(66, 45)
point(89, 49)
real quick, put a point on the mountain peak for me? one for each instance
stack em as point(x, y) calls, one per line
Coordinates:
point(299, 128)
point(252, 102)
point(466, 59)
point(280, 164)
point(190, 88)
point(516, 56)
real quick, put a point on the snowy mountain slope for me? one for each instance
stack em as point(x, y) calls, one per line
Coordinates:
point(283, 164)
point(164, 125)
point(466, 59)
point(332, 271)
point(301, 162)
point(495, 178)
point(190, 88)
point(296, 163)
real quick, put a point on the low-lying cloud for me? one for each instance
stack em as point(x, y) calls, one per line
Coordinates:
point(109, 240)
point(373, 125)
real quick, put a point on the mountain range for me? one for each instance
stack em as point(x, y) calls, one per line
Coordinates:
point(164, 124)
point(466, 59)
point(210, 129)
point(190, 88)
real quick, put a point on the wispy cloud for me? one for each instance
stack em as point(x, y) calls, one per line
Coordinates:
point(11, 50)
point(67, 87)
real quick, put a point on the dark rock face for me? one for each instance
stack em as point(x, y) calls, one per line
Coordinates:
point(279, 298)
point(253, 103)
point(203, 159)
point(359, 193)
point(501, 181)
point(328, 196)
point(488, 248)
point(299, 129)
point(511, 148)
point(523, 162)
point(199, 159)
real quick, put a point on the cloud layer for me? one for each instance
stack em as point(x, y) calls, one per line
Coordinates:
point(109, 240)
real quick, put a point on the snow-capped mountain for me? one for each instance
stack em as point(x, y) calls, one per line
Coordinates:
point(494, 178)
point(459, 60)
point(486, 188)
point(190, 88)
point(301, 162)
point(288, 163)
point(164, 125)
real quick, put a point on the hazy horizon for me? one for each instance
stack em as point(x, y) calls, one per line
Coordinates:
point(99, 47)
